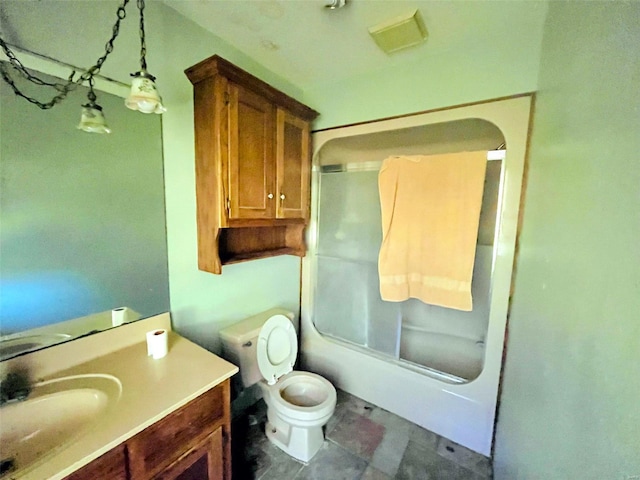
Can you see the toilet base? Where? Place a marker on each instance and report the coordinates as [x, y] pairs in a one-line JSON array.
[[302, 443]]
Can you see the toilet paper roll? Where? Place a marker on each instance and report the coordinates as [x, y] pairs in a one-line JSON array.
[[157, 343], [118, 316]]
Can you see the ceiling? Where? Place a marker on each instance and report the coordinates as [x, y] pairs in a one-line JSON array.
[[308, 44]]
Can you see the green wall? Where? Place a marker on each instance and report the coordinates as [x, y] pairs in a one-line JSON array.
[[499, 68], [570, 406], [202, 303]]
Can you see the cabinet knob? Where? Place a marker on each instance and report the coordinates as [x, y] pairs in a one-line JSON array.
[[282, 196], [270, 195]]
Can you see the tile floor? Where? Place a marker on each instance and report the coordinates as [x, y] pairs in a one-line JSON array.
[[362, 442]]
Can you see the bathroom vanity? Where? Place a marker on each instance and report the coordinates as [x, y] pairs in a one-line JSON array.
[[186, 444], [157, 419]]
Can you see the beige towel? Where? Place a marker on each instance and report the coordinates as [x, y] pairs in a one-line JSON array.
[[430, 215]]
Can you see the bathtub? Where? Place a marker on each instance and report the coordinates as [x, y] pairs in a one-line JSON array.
[[459, 358]]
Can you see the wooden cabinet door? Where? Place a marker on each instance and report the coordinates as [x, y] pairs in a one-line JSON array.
[[110, 466], [293, 165], [161, 444], [203, 462], [251, 155]]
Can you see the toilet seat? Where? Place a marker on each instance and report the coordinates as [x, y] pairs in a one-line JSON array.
[[277, 348]]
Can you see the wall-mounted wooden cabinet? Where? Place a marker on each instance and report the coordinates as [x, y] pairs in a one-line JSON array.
[[252, 166]]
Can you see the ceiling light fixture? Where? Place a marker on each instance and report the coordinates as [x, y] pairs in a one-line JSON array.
[[144, 95]]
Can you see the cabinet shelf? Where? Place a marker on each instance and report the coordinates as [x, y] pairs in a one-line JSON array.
[[244, 257], [237, 245]]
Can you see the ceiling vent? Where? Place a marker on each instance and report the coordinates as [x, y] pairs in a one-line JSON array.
[[400, 32]]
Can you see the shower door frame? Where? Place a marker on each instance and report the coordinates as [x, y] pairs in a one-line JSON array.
[[461, 412]]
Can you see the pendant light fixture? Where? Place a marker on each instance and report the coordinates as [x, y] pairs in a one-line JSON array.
[[144, 96], [92, 119]]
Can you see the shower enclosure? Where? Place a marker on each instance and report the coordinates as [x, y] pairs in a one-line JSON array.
[[348, 305], [436, 366]]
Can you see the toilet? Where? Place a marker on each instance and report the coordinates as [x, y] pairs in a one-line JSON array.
[[299, 404]]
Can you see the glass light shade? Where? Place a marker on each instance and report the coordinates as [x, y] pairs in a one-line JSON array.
[[144, 95], [92, 120]]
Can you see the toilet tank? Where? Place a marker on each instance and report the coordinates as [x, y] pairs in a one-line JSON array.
[[239, 342]]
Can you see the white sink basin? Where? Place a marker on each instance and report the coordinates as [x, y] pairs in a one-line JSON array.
[[57, 413], [13, 345]]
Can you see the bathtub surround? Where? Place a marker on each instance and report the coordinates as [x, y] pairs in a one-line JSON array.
[[459, 410]]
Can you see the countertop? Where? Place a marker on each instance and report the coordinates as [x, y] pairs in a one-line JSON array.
[[151, 389]]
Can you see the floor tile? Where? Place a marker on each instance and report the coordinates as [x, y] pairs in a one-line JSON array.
[[359, 406], [348, 403], [390, 421], [251, 464], [422, 463], [423, 437], [364, 442], [389, 453], [372, 473], [335, 419], [464, 457], [333, 462], [358, 434], [282, 467]]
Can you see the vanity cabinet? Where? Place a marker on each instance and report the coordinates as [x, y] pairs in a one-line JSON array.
[[191, 443], [252, 166], [112, 465]]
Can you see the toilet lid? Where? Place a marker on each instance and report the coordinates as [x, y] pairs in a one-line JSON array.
[[277, 348]]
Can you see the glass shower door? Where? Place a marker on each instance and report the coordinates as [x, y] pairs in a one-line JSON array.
[[348, 304]]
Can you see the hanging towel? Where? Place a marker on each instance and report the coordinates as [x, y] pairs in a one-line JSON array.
[[430, 214]]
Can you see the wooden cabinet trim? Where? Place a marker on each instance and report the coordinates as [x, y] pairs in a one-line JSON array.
[[216, 65]]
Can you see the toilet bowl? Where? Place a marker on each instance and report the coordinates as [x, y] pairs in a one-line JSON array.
[[298, 406], [299, 403]]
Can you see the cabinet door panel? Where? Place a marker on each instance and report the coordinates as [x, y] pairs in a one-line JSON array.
[[292, 166], [202, 462], [251, 179]]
